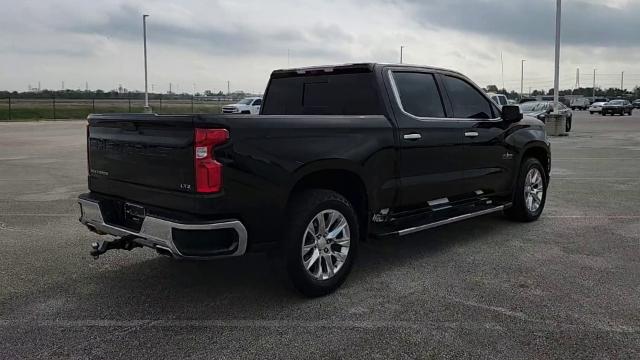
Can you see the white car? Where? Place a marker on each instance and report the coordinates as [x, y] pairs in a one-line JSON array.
[[596, 107], [580, 104], [499, 99], [250, 105]]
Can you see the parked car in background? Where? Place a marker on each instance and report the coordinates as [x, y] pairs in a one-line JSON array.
[[636, 104], [527, 99], [499, 99], [620, 107], [250, 105], [540, 109], [512, 102], [604, 100], [596, 107], [580, 104]]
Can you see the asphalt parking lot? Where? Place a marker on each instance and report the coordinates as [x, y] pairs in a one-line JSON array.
[[566, 286]]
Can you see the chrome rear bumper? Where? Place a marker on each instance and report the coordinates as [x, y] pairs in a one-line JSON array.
[[157, 233]]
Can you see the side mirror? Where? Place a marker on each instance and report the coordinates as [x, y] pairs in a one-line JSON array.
[[511, 113]]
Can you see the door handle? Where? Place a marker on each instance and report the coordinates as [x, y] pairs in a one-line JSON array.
[[413, 136], [471, 134]]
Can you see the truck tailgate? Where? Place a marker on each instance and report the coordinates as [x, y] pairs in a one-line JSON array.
[[143, 149]]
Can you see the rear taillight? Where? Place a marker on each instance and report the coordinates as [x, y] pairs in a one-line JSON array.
[[208, 170]]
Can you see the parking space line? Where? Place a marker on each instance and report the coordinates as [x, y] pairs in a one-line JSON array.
[[594, 178], [594, 158], [314, 324], [593, 216], [36, 214]]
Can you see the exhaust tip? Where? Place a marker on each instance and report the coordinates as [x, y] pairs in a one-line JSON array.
[[161, 250], [93, 229]]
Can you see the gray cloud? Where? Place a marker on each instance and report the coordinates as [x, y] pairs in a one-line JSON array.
[[531, 22], [124, 23]]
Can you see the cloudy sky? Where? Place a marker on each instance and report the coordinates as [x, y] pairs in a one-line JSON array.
[[203, 43]]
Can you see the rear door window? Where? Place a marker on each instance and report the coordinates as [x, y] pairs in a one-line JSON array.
[[419, 94], [467, 101]]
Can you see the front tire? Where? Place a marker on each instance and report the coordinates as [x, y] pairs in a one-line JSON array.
[[568, 124], [321, 242], [530, 193]]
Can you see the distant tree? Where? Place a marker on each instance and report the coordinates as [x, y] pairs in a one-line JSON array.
[[492, 88]]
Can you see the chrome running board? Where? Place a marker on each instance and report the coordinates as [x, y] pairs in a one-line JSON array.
[[432, 225]]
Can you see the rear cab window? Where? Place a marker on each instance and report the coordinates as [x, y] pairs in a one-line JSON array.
[[323, 94]]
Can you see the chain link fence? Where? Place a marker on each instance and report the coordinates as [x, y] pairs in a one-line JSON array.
[[64, 108]]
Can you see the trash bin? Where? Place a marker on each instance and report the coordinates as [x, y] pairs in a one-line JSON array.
[[556, 125]]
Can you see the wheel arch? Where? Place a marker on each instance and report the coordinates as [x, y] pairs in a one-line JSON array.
[[540, 151], [342, 177]]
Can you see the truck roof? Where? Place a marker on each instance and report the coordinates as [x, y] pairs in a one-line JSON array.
[[345, 68]]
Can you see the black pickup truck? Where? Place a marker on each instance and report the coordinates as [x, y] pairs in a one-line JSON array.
[[337, 155]]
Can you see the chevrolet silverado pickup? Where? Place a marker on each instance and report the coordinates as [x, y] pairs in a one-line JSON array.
[[337, 155]]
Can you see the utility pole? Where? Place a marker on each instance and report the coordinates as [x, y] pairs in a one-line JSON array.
[[622, 82], [594, 85], [169, 88], [86, 86], [522, 77], [62, 86], [401, 48], [147, 108], [556, 79], [577, 78], [502, 69], [228, 87]]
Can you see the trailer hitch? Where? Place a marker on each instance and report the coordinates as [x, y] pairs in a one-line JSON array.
[[125, 243]]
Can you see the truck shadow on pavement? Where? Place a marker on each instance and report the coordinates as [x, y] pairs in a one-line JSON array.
[[235, 288]]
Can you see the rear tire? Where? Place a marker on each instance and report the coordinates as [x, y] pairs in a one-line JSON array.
[[329, 253], [530, 193]]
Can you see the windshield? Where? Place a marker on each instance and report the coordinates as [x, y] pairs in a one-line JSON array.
[[245, 101], [533, 106], [616, 102]]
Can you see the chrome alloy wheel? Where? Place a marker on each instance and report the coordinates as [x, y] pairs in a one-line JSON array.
[[325, 244], [533, 190]]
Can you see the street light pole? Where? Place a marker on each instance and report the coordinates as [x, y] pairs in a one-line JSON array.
[[147, 108], [401, 48], [556, 79], [594, 85], [502, 69], [522, 78]]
